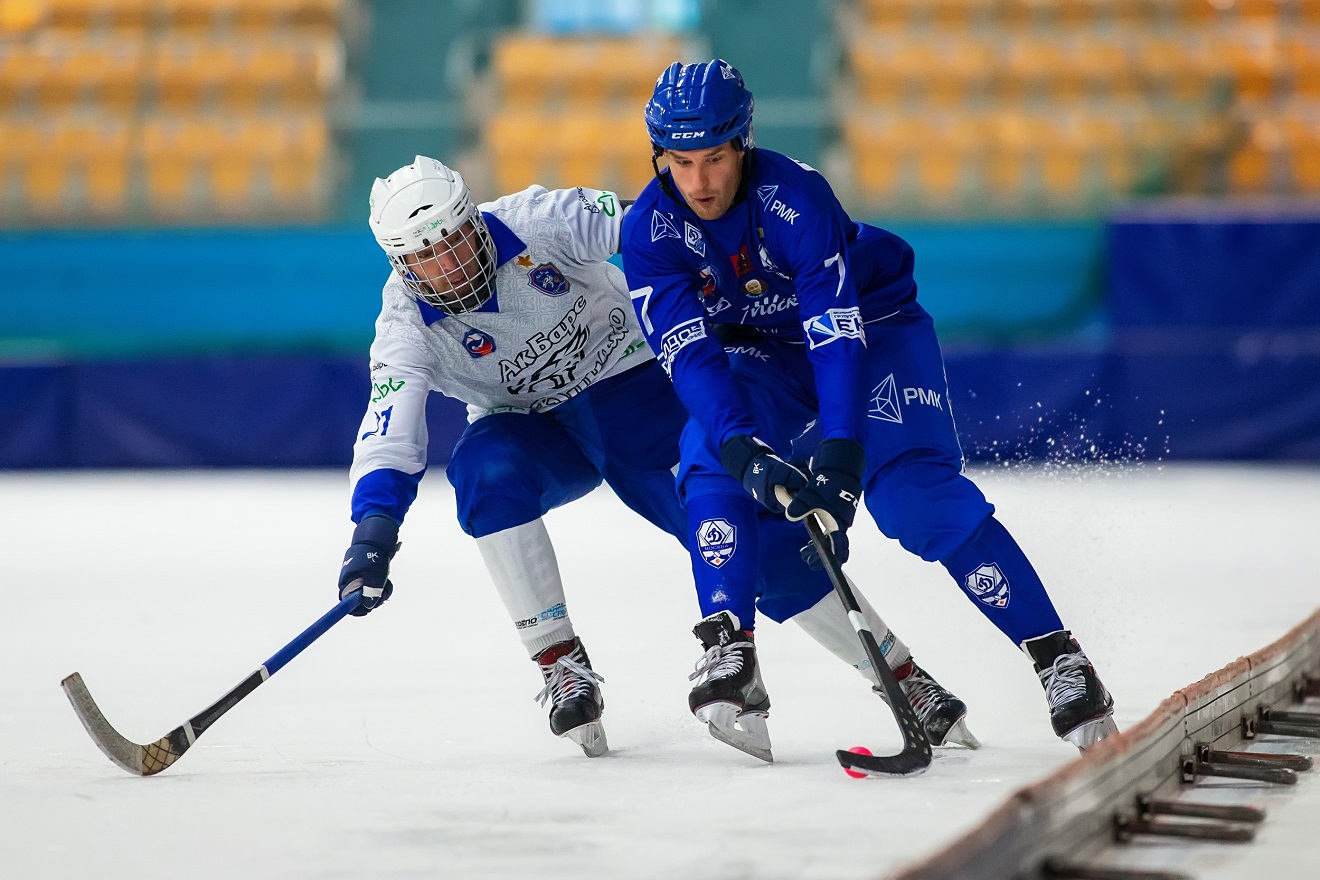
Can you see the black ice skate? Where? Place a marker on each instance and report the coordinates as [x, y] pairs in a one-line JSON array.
[[943, 716], [576, 703], [1081, 710], [730, 697]]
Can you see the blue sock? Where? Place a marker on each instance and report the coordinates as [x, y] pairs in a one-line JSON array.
[[722, 529], [992, 569]]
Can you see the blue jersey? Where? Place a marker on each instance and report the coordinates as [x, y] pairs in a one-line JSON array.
[[786, 262]]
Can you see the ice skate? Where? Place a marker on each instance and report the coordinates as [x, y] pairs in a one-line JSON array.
[[943, 716], [1081, 710], [576, 703], [730, 697]]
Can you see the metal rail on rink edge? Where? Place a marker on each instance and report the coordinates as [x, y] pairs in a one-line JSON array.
[[1122, 788]]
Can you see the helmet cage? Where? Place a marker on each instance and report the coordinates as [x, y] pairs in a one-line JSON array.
[[455, 272]]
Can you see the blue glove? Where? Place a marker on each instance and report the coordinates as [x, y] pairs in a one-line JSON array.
[[835, 487], [770, 479], [367, 563]]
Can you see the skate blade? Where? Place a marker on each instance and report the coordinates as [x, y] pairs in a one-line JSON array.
[[1091, 732], [746, 732], [591, 737], [959, 735]]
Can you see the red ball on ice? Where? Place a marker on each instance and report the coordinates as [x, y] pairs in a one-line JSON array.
[[859, 750]]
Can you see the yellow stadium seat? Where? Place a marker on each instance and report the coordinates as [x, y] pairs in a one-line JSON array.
[[1251, 167], [1032, 67], [101, 72], [168, 153], [263, 75], [188, 75], [97, 149], [59, 83], [524, 68], [194, 18], [22, 17], [1254, 61], [892, 15], [1301, 61], [1266, 12], [873, 146], [519, 143], [958, 15], [1080, 15], [1198, 13], [297, 168], [21, 68], [19, 140], [315, 15], [1302, 137]]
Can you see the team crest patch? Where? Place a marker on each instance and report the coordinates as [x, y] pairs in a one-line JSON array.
[[478, 344], [716, 539], [548, 279], [988, 584]]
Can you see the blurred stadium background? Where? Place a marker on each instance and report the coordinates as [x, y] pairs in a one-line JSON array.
[[1115, 203]]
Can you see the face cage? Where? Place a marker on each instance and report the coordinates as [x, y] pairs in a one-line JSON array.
[[457, 275]]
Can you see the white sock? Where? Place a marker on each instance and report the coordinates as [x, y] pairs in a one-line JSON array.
[[827, 622], [522, 564]]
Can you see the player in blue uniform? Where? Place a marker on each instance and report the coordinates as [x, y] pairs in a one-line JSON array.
[[512, 307], [792, 332]]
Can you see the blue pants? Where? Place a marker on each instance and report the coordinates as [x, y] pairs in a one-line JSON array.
[[508, 469], [913, 484]]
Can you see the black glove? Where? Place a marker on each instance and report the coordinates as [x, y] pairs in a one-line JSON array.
[[832, 494], [367, 563], [761, 471]]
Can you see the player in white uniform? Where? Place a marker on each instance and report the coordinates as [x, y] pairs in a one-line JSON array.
[[514, 310]]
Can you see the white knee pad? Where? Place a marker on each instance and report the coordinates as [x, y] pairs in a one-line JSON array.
[[827, 622], [522, 564]]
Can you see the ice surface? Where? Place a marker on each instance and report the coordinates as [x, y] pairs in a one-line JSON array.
[[407, 744]]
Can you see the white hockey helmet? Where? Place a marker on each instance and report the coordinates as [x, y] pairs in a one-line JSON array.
[[424, 219]]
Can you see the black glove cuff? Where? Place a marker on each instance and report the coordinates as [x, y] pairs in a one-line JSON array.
[[379, 530], [738, 451], [838, 454]]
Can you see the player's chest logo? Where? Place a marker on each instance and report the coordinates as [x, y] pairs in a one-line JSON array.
[[548, 279], [478, 344]]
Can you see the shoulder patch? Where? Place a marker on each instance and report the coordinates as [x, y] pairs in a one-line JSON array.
[[693, 238], [662, 226]]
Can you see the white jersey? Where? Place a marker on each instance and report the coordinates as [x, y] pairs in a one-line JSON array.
[[560, 320]]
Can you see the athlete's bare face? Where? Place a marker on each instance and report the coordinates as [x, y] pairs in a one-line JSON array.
[[708, 179]]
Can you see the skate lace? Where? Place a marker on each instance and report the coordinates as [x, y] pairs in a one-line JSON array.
[[720, 661], [1065, 679], [923, 693], [568, 679]]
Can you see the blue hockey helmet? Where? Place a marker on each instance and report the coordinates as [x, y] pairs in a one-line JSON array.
[[701, 105]]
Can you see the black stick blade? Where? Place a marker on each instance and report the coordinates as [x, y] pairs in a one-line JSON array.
[[909, 762], [139, 760]]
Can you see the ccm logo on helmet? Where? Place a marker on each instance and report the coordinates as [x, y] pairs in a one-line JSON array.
[[680, 135]]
